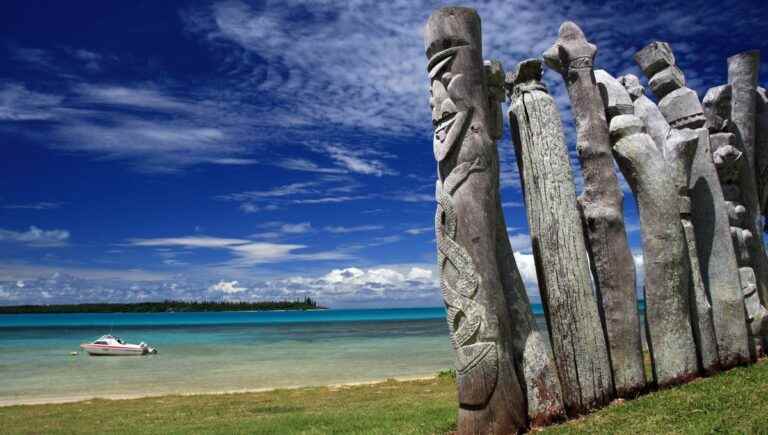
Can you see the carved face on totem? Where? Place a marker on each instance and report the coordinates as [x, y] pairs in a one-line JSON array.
[[450, 112]]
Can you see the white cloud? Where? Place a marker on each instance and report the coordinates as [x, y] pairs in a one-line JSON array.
[[299, 228], [278, 229], [275, 192], [527, 267], [353, 229], [417, 231], [226, 287], [35, 206], [17, 103], [246, 252], [385, 285], [324, 189], [189, 242], [417, 273], [36, 237], [140, 97], [520, 242], [330, 199], [249, 207], [513, 204], [299, 164], [359, 161], [21, 271], [413, 197]]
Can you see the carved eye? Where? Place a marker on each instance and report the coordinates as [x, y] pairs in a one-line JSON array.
[[446, 79], [447, 107]]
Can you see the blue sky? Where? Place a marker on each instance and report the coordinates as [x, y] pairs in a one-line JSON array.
[[268, 150]]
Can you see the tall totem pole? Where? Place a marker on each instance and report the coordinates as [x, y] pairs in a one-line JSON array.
[[558, 242], [709, 215], [491, 399], [665, 252], [601, 205]]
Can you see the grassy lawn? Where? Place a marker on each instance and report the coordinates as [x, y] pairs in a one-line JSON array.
[[732, 402]]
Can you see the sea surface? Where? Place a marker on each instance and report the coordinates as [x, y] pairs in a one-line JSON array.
[[216, 352]]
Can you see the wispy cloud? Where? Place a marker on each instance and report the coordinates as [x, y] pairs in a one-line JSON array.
[[18, 103], [299, 164], [359, 161], [417, 231], [513, 204], [413, 197], [189, 242], [43, 205], [135, 97], [275, 192], [246, 252], [352, 229], [328, 189], [36, 237]]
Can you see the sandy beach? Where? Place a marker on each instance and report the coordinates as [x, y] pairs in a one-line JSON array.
[[111, 396]]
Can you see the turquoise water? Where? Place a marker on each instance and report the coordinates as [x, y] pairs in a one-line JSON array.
[[207, 352], [214, 352]]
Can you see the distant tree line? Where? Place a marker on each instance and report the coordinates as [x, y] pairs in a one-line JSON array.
[[164, 307]]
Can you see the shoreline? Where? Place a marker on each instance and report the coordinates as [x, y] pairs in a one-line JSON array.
[[57, 400]]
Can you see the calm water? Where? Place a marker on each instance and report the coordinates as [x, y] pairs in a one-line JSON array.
[[205, 352]]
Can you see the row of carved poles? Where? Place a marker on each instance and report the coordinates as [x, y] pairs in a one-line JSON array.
[[699, 176]]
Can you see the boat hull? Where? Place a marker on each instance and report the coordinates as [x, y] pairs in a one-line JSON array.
[[107, 350]]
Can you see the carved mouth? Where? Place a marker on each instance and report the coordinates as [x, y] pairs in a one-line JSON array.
[[449, 129], [443, 125]]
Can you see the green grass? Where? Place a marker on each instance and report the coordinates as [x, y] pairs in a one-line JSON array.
[[732, 402]]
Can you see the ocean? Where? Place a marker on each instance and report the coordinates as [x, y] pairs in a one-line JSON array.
[[215, 352]]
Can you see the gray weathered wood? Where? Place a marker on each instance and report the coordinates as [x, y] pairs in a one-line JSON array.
[[679, 150], [717, 257], [602, 201], [645, 109], [667, 308], [561, 260], [729, 163], [761, 149], [709, 216], [533, 358], [491, 399], [653, 181], [742, 77]]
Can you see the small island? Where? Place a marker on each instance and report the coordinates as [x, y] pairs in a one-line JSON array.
[[164, 307]]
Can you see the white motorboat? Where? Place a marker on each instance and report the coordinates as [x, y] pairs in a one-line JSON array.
[[111, 345]]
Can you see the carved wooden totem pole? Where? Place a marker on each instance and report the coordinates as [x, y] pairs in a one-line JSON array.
[[533, 358], [558, 241], [680, 106], [678, 148], [491, 399], [665, 252], [761, 151], [602, 212], [732, 168], [742, 77]]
